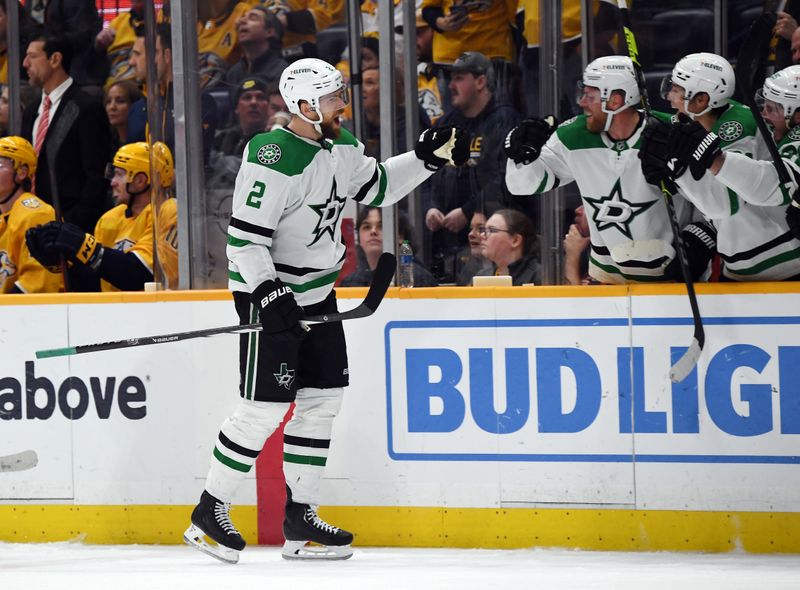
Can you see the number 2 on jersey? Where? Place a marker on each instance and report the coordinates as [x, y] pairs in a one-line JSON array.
[[255, 196]]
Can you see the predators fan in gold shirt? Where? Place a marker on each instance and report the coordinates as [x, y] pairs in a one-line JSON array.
[[120, 252], [20, 210]]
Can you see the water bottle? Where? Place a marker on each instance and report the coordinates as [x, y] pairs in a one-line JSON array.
[[406, 265]]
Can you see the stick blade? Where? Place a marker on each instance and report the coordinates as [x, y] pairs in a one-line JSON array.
[[43, 354], [686, 364]]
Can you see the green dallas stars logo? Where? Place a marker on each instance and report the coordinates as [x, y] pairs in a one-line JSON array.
[[615, 211], [329, 213]]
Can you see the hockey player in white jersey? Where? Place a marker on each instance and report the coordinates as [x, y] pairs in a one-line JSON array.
[[285, 251], [719, 135], [631, 236]]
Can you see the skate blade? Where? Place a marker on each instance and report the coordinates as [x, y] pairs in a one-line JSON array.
[[195, 537], [300, 550]]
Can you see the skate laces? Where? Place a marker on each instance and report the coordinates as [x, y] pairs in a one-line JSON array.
[[316, 521], [223, 518]]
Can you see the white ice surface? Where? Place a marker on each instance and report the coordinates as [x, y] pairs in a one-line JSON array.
[[73, 566]]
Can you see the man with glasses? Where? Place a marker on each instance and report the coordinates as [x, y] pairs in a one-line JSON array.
[[119, 254], [723, 169], [285, 250], [20, 210], [631, 236]]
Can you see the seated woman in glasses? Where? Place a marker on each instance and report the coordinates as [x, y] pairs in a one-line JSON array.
[[510, 242]]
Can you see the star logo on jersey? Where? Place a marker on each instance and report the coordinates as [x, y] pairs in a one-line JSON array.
[[329, 213], [284, 376], [615, 211]]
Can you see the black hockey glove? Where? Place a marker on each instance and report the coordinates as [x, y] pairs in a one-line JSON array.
[[654, 153], [71, 241], [524, 142], [438, 146], [48, 257], [700, 239], [793, 219], [280, 313], [693, 146]]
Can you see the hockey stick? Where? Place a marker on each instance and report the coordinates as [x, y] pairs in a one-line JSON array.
[[749, 57], [18, 461], [381, 279], [684, 365]]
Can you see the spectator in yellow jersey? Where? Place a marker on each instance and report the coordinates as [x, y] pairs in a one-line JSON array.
[[604, 13], [117, 41], [303, 19], [120, 252], [474, 25], [20, 210], [217, 42]]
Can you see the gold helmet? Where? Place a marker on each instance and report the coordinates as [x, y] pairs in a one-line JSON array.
[[164, 163], [20, 151], [133, 158]]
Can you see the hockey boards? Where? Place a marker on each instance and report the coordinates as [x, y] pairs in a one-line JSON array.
[[381, 279], [681, 369], [19, 461]]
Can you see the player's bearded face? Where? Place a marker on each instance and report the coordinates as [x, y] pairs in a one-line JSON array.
[[331, 124], [589, 101]]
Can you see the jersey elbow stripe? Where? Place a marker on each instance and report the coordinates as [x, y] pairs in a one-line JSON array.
[[251, 228], [367, 187], [238, 242], [376, 202]]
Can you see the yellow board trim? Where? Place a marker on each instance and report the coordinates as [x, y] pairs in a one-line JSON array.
[[513, 528], [421, 293]]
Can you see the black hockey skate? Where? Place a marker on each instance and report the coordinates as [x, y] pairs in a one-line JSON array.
[[302, 525], [211, 521]]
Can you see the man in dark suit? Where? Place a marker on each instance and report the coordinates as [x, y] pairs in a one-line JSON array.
[[78, 22], [70, 132]]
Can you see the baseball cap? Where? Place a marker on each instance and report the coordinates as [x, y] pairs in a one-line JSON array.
[[474, 62], [249, 84]]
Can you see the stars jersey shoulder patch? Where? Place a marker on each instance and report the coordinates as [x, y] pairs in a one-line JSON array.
[[614, 211], [730, 131], [269, 154]]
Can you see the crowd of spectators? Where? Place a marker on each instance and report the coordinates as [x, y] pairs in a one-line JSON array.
[[84, 96]]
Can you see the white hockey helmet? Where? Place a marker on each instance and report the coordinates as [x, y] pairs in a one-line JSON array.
[[311, 80], [610, 73], [704, 72], [783, 88]]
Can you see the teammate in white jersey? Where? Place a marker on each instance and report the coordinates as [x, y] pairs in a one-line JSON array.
[[753, 239], [631, 236], [285, 250]]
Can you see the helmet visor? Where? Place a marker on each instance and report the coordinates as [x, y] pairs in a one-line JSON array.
[[114, 171], [588, 94], [334, 101]]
